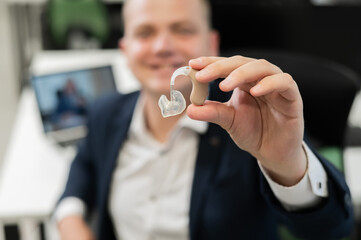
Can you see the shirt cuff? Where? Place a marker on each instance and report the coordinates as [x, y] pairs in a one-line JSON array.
[[69, 206], [308, 192]]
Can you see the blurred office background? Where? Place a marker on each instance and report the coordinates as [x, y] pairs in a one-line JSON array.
[[327, 29], [9, 91]]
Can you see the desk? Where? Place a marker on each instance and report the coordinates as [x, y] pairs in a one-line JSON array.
[[33, 172], [35, 169]]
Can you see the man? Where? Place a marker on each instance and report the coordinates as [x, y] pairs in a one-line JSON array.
[[237, 177]]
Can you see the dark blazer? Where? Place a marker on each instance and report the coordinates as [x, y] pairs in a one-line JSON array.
[[230, 198]]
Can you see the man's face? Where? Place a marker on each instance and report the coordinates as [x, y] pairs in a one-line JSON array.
[[163, 35]]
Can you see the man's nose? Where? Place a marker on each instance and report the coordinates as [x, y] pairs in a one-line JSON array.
[[163, 44]]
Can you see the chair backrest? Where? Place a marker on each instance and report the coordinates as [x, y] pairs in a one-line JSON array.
[[327, 88], [88, 15]]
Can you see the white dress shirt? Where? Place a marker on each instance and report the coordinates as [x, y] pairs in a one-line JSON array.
[[151, 184]]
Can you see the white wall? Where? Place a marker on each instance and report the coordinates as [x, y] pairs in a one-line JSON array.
[[9, 82]]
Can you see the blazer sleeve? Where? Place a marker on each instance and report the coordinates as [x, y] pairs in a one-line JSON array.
[[81, 179], [84, 179], [332, 219]]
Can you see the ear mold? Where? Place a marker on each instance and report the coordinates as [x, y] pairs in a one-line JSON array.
[[177, 103]]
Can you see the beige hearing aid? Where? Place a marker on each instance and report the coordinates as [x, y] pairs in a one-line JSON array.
[[199, 91], [177, 103]]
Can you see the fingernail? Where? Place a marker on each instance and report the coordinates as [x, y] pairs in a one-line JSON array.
[[202, 73], [195, 61], [226, 82], [256, 89]]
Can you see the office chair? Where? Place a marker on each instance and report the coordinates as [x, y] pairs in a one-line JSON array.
[[86, 17], [328, 90]]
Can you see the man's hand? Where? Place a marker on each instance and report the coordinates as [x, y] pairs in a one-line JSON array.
[[264, 115], [74, 228]]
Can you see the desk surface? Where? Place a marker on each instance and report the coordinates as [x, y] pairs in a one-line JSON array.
[[34, 169]]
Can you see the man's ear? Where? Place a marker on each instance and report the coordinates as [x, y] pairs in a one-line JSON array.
[[214, 42], [121, 44]]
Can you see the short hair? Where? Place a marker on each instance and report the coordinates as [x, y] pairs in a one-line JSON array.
[[206, 4]]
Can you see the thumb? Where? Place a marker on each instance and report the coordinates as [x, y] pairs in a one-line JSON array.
[[214, 112]]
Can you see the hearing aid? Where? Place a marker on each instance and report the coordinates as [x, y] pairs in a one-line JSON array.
[[199, 90], [177, 103]]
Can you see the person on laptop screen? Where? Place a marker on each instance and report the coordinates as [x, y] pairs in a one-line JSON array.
[[71, 107], [64, 96], [233, 170]]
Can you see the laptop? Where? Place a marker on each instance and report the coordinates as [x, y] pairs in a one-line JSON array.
[[63, 100]]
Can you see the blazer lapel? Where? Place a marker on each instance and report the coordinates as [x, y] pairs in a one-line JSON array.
[[119, 130], [206, 165]]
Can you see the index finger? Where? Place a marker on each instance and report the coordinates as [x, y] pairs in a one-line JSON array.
[[202, 62], [211, 68]]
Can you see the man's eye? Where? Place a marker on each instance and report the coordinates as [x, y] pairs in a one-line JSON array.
[[186, 31], [143, 34]]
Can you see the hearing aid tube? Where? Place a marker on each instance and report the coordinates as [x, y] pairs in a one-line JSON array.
[[199, 90]]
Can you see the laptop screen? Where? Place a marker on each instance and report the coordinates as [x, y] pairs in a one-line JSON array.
[[63, 98]]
